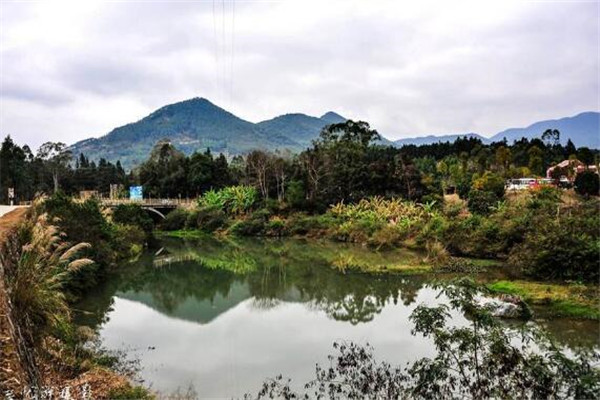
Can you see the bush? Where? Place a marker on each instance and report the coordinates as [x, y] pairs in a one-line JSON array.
[[133, 214], [275, 227], [437, 254], [561, 246], [84, 222], [389, 236], [209, 219], [481, 202], [129, 239], [490, 182], [234, 199], [587, 183], [301, 224], [253, 226], [175, 220]]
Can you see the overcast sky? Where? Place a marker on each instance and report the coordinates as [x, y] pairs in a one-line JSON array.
[[72, 70]]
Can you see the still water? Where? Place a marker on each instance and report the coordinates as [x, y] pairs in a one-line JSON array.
[[221, 316]]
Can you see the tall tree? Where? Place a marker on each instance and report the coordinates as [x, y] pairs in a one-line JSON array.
[[56, 158]]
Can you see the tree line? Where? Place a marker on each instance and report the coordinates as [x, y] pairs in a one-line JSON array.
[[346, 163]]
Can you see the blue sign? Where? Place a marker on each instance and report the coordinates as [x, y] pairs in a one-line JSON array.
[[135, 193]]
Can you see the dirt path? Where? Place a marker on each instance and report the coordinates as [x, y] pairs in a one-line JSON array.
[[9, 219], [13, 376]]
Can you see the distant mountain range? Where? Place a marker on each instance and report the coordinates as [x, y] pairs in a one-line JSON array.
[[197, 124], [430, 139], [583, 130]]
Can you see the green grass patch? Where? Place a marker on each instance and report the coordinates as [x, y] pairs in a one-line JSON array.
[[564, 300], [183, 234]]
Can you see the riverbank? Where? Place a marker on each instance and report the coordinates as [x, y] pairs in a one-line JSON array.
[[573, 300], [552, 299], [40, 350]]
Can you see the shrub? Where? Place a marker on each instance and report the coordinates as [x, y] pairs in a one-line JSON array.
[[437, 254], [129, 239], [253, 226], [563, 245], [234, 199], [275, 227], [388, 236], [83, 222], [301, 224], [490, 182], [133, 214], [481, 202], [209, 219], [587, 183], [175, 220]]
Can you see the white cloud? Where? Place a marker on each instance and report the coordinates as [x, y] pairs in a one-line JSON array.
[[76, 69]]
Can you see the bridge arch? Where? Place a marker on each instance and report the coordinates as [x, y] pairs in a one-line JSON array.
[[154, 210]]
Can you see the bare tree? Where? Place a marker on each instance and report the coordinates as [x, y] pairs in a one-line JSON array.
[[257, 166], [56, 156], [312, 163]]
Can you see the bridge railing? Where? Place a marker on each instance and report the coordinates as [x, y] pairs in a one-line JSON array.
[[153, 202]]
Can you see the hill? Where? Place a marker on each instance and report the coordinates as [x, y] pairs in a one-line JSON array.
[[300, 128], [583, 129]]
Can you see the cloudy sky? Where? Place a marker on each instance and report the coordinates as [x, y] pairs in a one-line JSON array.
[[72, 70]]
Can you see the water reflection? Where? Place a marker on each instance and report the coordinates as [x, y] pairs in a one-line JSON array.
[[225, 315], [199, 280]]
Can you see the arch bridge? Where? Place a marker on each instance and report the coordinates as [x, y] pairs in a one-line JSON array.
[[160, 207]]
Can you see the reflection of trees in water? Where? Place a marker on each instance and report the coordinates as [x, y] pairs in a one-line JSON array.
[[288, 271]]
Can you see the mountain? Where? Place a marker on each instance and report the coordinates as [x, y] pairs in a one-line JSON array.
[[300, 128], [583, 129], [333, 118], [197, 124], [194, 124], [430, 139]]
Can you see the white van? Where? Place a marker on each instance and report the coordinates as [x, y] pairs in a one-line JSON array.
[[521, 183]]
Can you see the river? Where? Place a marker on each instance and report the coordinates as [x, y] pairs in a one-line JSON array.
[[221, 316]]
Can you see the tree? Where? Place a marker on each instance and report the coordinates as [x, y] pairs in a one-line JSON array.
[[587, 183], [570, 149], [56, 158], [551, 137], [311, 163], [164, 173], [503, 158], [536, 161], [258, 166], [12, 168]]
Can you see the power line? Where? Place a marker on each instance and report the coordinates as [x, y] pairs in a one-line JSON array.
[[232, 52]]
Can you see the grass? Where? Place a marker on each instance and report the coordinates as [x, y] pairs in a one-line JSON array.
[[564, 300], [183, 233]]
